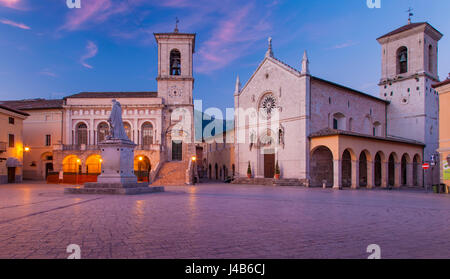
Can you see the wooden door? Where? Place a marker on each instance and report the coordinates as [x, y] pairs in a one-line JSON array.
[[177, 151], [269, 165], [11, 175]]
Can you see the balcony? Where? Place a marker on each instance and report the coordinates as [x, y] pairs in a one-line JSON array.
[[83, 147], [149, 147], [80, 147]]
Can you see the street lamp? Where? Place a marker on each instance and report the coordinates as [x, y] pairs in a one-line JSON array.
[[78, 168], [27, 149], [140, 167], [193, 158]]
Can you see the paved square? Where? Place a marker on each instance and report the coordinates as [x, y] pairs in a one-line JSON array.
[[223, 221]]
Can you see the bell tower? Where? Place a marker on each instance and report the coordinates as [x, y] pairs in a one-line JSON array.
[[175, 86], [409, 58], [175, 67]]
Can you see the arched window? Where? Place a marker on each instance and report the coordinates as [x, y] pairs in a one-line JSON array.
[[339, 121], [127, 128], [102, 131], [147, 133], [376, 129], [402, 60], [175, 62], [82, 134], [430, 58]]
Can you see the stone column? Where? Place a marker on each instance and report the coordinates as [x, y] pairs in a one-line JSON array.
[[91, 131], [409, 175], [337, 172], [355, 174], [370, 175], [398, 173], [384, 174]]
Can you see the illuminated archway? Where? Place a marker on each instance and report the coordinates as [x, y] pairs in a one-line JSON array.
[[72, 164], [94, 164]]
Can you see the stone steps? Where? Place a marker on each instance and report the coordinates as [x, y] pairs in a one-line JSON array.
[[171, 174], [114, 189], [269, 181]]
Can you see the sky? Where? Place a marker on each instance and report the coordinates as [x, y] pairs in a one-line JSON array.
[[48, 50]]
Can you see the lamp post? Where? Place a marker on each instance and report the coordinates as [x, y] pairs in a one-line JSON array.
[[193, 169], [140, 167], [78, 169]]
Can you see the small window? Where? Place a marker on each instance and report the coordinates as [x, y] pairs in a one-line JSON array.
[[335, 124], [11, 141], [409, 89], [48, 140], [392, 93], [11, 120], [329, 100]]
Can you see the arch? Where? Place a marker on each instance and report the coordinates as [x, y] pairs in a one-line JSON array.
[[406, 160], [402, 60], [142, 167], [216, 168], [391, 168], [378, 168], [147, 133], [102, 131], [366, 124], [209, 172], [322, 167], [175, 62], [81, 131], [128, 129], [346, 169], [416, 165], [364, 158], [71, 164], [339, 122], [377, 129], [94, 164]]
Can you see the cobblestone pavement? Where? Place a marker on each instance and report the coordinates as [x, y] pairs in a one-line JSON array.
[[223, 221]]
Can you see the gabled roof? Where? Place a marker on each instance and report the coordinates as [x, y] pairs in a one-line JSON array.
[[13, 110], [442, 83], [333, 132], [34, 104], [112, 95], [350, 89], [408, 27]]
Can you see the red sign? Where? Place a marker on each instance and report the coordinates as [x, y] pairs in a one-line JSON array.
[[426, 166]]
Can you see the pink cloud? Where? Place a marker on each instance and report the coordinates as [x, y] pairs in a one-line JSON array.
[[233, 38], [13, 4], [91, 51], [15, 24], [95, 11]]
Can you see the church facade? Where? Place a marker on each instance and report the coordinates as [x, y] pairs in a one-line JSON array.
[[63, 135], [325, 134]]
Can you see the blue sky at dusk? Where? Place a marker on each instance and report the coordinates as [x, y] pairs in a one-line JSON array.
[[50, 51]]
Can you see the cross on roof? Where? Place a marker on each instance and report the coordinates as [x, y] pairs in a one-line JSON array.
[[410, 14]]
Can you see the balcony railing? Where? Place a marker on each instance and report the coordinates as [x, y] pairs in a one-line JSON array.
[[149, 147], [80, 147], [2, 147]]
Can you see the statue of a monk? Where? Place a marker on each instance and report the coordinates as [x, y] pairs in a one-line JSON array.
[[117, 131]]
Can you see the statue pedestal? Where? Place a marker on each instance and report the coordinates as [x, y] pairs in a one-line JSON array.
[[117, 175]]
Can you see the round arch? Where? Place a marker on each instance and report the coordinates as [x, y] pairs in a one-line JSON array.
[[364, 159], [321, 165], [142, 167], [71, 164], [392, 161], [378, 162], [94, 164]]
